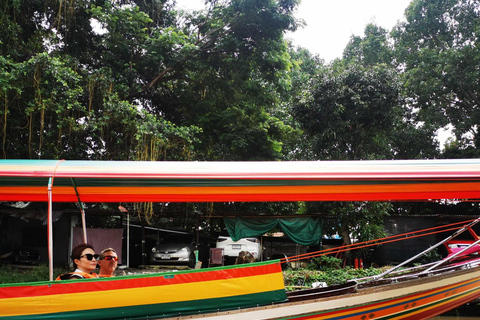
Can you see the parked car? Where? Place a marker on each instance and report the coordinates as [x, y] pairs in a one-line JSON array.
[[231, 248], [18, 254], [26, 256], [178, 248]]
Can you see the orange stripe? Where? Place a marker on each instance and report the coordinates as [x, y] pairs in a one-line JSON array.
[[327, 189], [256, 193]]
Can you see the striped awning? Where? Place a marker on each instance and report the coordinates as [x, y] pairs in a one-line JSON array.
[[164, 181]]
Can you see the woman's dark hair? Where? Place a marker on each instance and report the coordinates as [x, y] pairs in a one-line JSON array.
[[77, 252]]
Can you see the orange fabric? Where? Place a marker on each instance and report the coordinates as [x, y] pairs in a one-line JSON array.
[[84, 275]]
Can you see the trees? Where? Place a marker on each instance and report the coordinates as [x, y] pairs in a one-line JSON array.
[[355, 109], [145, 78], [437, 47], [370, 50], [352, 112], [136, 80]]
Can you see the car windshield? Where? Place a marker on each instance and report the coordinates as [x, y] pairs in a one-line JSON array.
[[178, 238]]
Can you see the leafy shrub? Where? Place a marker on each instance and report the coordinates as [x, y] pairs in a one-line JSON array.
[[324, 263], [303, 278], [432, 256]]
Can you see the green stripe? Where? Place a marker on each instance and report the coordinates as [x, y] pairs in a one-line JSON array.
[[23, 181], [167, 309], [140, 276], [136, 182]]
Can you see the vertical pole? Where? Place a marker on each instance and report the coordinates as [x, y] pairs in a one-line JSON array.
[[84, 226], [124, 210], [70, 245], [261, 253], [50, 230], [50, 221], [128, 239]]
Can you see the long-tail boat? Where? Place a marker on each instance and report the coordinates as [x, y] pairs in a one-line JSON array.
[[257, 290]]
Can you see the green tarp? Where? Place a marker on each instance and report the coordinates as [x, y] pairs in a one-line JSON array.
[[305, 231]]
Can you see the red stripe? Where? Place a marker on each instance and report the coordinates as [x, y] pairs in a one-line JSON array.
[[91, 285], [392, 196]]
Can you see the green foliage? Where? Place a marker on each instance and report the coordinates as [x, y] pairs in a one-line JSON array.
[[144, 81], [432, 256], [134, 80], [437, 47], [325, 263], [362, 221], [351, 112], [304, 278], [370, 50], [40, 99], [15, 274]]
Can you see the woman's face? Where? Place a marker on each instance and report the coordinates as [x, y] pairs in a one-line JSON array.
[[84, 264]]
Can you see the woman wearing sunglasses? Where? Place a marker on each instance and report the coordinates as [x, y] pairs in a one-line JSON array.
[[84, 260], [107, 262]]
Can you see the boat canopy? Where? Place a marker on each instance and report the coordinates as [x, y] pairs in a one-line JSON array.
[[252, 181]]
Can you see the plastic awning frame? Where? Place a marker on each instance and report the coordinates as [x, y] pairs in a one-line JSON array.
[[137, 181]]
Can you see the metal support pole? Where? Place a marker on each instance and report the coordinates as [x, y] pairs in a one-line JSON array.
[[82, 211], [451, 257], [84, 226], [50, 221], [459, 231]]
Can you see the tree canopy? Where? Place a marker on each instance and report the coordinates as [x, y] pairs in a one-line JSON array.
[[142, 80], [437, 47], [124, 79]]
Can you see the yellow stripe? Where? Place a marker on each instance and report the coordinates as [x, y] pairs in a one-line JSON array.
[[141, 296]]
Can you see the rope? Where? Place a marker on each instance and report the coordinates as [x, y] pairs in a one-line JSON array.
[[375, 242]]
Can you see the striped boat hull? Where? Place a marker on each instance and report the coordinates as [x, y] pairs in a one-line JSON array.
[[414, 300], [161, 295]]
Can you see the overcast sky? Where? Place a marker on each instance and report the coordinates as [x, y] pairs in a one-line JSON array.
[[331, 23]]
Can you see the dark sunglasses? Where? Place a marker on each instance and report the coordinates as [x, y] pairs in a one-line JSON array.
[[90, 256], [110, 258]]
